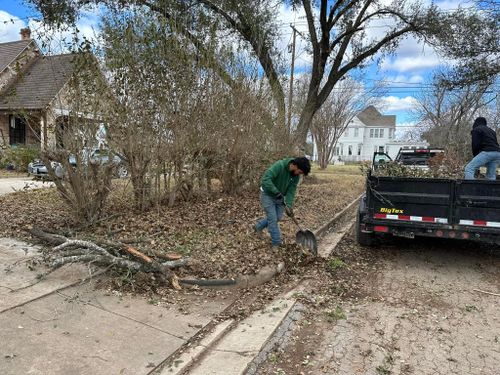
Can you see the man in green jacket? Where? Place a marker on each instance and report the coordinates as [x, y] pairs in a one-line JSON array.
[[278, 187]]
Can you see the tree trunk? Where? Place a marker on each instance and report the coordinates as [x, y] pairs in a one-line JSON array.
[[304, 125]]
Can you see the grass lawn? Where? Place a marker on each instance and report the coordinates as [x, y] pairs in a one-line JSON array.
[[354, 169], [9, 174]]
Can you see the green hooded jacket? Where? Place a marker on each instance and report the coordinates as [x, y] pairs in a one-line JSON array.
[[279, 179]]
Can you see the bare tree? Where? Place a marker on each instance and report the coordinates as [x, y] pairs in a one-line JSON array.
[[447, 115], [347, 99]]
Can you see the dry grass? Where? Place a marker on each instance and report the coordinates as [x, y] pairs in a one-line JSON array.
[[10, 174]]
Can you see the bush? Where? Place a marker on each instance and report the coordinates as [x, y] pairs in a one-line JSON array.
[[19, 157]]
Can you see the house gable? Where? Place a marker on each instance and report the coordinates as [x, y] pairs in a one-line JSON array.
[[37, 87], [15, 58], [370, 116]]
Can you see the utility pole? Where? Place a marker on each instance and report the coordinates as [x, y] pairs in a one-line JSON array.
[[290, 95]]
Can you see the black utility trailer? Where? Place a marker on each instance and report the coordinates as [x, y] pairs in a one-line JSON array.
[[410, 207]]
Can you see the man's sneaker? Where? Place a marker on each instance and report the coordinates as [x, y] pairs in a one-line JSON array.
[[276, 248], [258, 233]]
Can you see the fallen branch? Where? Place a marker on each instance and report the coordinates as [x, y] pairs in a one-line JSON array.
[[68, 251], [138, 254], [82, 244], [485, 292], [176, 263]]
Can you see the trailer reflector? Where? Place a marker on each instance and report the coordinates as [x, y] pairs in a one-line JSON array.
[[427, 219], [480, 223], [381, 228]]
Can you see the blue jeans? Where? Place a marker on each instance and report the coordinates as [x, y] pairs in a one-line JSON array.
[[274, 212], [490, 159]]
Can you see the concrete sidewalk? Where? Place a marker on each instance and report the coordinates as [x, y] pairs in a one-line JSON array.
[[12, 184], [63, 326]]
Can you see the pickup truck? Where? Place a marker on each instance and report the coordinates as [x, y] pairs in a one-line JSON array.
[[428, 207], [411, 157]]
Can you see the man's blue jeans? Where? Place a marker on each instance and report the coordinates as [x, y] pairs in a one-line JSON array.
[[490, 159], [274, 212]]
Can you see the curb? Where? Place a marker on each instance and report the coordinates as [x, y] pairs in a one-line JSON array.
[[192, 354], [323, 229]]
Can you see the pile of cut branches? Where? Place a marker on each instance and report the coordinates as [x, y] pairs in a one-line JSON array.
[[444, 165], [107, 253]]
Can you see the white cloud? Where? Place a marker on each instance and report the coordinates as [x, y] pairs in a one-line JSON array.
[[401, 80], [53, 41], [393, 103], [411, 63], [287, 16], [9, 27], [59, 40]]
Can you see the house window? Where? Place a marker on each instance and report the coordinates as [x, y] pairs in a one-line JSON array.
[[372, 133], [346, 132], [17, 131], [376, 133], [359, 149], [356, 132], [350, 150], [381, 133], [380, 148]]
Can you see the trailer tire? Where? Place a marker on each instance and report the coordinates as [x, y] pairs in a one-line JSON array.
[[364, 239]]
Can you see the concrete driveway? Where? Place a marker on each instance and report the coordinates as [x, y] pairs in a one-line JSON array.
[[10, 185]]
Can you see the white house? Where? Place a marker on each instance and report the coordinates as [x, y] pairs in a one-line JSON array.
[[369, 132]]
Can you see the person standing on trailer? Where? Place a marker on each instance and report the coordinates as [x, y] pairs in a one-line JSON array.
[[485, 149]]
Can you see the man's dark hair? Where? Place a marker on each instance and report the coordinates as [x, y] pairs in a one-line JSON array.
[[480, 121], [303, 164]]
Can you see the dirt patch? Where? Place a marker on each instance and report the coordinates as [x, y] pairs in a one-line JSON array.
[[412, 308]]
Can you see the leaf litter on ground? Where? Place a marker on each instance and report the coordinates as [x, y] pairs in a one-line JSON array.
[[215, 232]]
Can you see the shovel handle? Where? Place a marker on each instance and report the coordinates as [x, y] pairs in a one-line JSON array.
[[296, 222], [292, 216]]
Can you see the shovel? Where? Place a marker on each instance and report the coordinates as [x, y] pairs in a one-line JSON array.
[[304, 238]]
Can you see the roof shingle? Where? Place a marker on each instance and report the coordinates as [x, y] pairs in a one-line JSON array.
[[9, 51], [39, 85], [372, 117]]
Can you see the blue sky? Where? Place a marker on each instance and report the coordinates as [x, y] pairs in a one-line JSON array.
[[407, 73]]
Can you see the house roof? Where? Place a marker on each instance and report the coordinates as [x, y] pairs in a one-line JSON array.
[[370, 116], [39, 85], [9, 51]]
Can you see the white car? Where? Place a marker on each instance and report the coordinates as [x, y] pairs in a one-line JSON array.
[[38, 169]]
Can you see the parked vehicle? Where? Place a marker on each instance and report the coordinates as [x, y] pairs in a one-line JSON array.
[[412, 157], [429, 207], [38, 169]]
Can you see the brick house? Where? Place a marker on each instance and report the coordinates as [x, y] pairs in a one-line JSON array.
[[32, 87]]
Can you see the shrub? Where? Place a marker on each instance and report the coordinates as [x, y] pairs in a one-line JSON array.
[[19, 157]]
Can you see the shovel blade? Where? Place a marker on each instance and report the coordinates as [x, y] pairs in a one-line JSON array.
[[307, 239]]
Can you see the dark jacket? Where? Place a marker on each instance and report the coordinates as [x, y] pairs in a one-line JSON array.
[[279, 179], [483, 139]]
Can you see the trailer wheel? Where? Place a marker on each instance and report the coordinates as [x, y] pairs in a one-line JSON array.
[[364, 239]]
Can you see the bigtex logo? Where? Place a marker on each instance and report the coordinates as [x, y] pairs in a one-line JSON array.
[[391, 211]]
